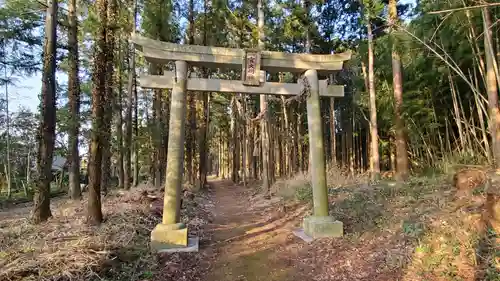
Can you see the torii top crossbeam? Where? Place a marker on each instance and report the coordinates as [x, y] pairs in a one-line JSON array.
[[207, 56]]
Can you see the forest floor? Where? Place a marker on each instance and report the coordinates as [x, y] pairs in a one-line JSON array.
[[412, 232]]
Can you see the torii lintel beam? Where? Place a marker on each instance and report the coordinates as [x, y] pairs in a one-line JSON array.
[[166, 81], [206, 56]]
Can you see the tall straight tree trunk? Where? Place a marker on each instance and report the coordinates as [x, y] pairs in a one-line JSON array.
[[205, 118], [131, 92], [191, 110], [119, 118], [166, 126], [98, 99], [235, 149], [492, 89], [375, 158], [266, 185], [333, 143], [74, 103], [296, 143], [300, 143], [47, 129], [109, 97], [135, 143], [402, 170], [244, 140], [157, 130], [253, 151], [350, 146], [286, 135]]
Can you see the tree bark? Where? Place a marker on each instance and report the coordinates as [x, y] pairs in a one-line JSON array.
[[492, 89], [158, 131], [109, 97], [74, 103], [263, 107], [98, 99], [375, 158], [191, 110], [333, 133], [235, 148], [119, 118], [402, 170], [131, 92], [47, 130], [205, 118]]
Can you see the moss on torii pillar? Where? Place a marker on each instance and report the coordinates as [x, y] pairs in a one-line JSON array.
[[171, 233], [320, 224]]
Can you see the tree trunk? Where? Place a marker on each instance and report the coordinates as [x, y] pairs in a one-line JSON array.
[[109, 97], [263, 107], [166, 126], [244, 140], [333, 143], [402, 170], [47, 130], [135, 142], [375, 159], [131, 92], [295, 142], [98, 100], [74, 103], [158, 133], [205, 118], [286, 135], [492, 89], [119, 118], [191, 110], [350, 146], [235, 141]]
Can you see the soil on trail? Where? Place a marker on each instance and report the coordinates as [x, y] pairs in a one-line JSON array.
[[253, 240], [252, 237]]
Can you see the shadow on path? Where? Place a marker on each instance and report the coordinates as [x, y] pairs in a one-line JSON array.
[[250, 236]]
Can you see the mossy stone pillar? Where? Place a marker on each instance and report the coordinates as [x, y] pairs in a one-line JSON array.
[[320, 224], [171, 233]]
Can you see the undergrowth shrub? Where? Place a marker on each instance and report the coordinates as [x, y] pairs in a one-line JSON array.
[[299, 185], [449, 163]]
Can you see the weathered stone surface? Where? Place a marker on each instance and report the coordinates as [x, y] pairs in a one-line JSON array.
[[316, 147], [175, 154], [207, 56], [167, 81], [192, 246], [169, 236], [318, 227]]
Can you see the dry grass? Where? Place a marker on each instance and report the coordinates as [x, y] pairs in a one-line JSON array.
[[299, 185], [415, 231], [66, 248]]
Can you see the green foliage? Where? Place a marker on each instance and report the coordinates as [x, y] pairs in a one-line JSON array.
[[304, 193], [20, 39]]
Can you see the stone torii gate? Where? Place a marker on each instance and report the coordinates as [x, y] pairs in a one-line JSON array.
[[171, 233]]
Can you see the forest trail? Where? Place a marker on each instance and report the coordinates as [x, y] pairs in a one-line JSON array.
[[252, 238]]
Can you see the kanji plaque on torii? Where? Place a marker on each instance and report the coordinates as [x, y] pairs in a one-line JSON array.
[[251, 68], [171, 233]]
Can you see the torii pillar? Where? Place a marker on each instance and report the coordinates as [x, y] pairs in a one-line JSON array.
[[320, 224], [171, 233]]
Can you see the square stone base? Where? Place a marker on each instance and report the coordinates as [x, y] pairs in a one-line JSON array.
[[166, 236], [193, 246], [318, 227]]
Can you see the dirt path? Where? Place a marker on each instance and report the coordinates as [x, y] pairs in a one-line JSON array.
[[252, 237]]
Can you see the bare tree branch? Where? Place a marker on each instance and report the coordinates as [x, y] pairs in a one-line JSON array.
[[464, 8]]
